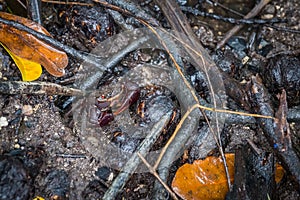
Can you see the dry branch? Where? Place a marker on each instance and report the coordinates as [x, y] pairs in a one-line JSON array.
[[37, 88], [259, 97]]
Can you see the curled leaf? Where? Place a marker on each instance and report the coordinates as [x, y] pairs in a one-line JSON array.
[[30, 70], [204, 179], [28, 47]]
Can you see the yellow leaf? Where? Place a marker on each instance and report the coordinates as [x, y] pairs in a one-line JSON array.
[[30, 70], [38, 198], [204, 179], [31, 48]]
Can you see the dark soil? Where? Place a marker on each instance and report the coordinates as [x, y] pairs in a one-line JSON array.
[[42, 150]]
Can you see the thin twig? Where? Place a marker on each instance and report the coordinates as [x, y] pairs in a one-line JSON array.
[[22, 4], [224, 7], [73, 156], [68, 3], [231, 20], [278, 28], [153, 171], [236, 28]]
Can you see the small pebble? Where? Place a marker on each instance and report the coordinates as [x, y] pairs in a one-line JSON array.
[[145, 57], [17, 106], [3, 122], [105, 173], [56, 136], [27, 110], [267, 16], [269, 12]]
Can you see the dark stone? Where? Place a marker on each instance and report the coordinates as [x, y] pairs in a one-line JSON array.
[[15, 182], [103, 173], [57, 185], [283, 72]]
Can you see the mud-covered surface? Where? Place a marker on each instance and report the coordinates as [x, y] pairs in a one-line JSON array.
[[46, 152]]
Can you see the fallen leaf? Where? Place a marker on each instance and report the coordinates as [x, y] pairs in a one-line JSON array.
[[30, 70], [279, 173], [29, 47], [38, 198], [204, 179]]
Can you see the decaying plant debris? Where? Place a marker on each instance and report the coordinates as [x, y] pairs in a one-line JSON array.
[[46, 132]]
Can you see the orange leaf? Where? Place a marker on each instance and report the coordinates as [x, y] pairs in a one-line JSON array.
[[29, 47], [279, 172], [204, 179], [30, 70]]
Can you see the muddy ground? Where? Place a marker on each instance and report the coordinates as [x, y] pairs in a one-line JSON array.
[[43, 148]]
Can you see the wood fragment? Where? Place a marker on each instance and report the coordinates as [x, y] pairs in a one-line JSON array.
[[68, 3], [260, 99], [254, 175], [282, 128], [37, 88]]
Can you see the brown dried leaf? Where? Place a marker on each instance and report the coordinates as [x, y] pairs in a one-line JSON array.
[[204, 179], [29, 47]]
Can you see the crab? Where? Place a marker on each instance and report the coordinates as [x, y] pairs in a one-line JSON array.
[[106, 108]]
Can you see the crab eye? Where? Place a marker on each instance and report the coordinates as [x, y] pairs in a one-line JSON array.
[[101, 98]]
